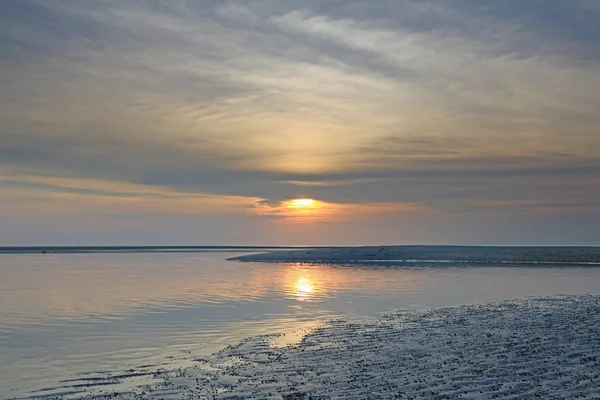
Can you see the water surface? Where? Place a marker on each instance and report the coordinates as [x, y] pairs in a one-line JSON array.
[[63, 315]]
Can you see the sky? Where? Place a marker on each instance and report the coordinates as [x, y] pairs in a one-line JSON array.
[[212, 121]]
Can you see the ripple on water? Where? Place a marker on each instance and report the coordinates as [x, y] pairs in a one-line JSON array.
[[116, 312]]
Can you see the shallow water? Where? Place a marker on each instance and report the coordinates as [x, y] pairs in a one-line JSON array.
[[63, 315]]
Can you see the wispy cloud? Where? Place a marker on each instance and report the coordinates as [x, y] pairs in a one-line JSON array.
[[436, 104]]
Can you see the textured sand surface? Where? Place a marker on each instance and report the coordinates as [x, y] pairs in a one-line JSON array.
[[466, 254], [546, 348]]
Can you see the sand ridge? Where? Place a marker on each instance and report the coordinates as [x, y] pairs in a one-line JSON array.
[[433, 254]]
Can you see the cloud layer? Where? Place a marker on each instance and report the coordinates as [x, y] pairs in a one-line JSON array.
[[447, 108]]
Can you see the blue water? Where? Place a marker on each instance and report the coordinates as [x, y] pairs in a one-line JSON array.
[[64, 314]]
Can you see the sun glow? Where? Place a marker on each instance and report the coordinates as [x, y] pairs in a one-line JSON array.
[[297, 210], [300, 203]]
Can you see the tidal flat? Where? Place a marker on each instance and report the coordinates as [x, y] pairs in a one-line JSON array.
[[546, 347]]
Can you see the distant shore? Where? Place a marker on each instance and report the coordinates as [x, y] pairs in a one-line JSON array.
[[455, 254], [137, 249], [545, 347]]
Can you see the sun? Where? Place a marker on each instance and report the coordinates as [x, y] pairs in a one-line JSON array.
[[301, 203], [302, 209]]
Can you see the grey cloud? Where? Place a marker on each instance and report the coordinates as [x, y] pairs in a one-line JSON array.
[[433, 182], [432, 102]]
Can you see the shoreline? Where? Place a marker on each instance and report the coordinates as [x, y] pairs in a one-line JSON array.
[[544, 347], [583, 255]]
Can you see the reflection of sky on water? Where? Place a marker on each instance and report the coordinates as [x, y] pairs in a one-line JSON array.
[[63, 314], [49, 289]]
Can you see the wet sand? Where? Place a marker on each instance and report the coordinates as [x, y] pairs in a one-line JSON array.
[[522, 349]]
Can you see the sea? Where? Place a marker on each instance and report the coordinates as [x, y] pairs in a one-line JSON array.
[[82, 320]]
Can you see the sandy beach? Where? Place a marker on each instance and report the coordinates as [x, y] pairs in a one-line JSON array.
[[545, 347], [457, 254]]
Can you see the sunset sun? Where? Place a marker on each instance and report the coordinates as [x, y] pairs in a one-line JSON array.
[[302, 203]]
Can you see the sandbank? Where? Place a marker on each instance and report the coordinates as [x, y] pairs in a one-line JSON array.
[[439, 254], [545, 347]]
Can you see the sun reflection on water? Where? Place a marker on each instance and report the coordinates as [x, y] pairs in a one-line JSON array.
[[303, 287], [302, 284]]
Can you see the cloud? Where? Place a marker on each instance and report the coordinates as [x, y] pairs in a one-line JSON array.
[[324, 212], [440, 105], [70, 196]]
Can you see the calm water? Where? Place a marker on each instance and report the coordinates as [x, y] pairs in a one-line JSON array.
[[62, 315]]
